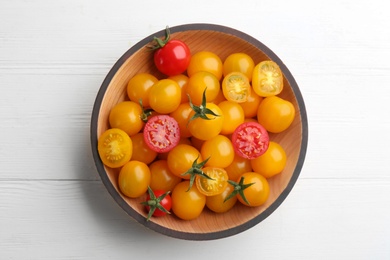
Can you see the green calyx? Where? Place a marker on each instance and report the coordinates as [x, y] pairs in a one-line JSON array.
[[201, 111], [195, 170], [159, 43], [146, 113], [155, 203], [239, 189]]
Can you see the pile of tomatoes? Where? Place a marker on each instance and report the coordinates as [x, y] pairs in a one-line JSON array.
[[198, 138]]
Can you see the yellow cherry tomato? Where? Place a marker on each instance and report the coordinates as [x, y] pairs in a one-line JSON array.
[[126, 115], [187, 203], [275, 114], [161, 177], [165, 96], [139, 86], [203, 81], [217, 202], [204, 129], [181, 158], [272, 162], [182, 80], [134, 179], [182, 115], [239, 62], [219, 98], [219, 150], [267, 79], [205, 61], [142, 152], [251, 105], [115, 148], [233, 115], [238, 167], [164, 156], [256, 194]]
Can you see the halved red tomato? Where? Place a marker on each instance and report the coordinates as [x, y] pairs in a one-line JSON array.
[[250, 140], [161, 133]]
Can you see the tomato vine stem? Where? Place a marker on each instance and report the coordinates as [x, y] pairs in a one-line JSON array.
[[196, 169], [239, 189], [159, 43], [201, 111]]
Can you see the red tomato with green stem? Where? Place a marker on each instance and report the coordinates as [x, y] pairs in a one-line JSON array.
[[171, 57], [158, 203]]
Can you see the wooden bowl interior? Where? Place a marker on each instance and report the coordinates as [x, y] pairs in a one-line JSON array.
[[222, 44]]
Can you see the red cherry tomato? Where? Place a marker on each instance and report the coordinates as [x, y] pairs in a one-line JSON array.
[[156, 200], [250, 140], [161, 133], [172, 57]]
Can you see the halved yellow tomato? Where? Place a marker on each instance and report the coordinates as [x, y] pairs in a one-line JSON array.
[[115, 148], [267, 79], [236, 87], [216, 184]]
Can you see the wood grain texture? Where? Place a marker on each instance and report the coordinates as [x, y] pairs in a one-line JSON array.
[[54, 56]]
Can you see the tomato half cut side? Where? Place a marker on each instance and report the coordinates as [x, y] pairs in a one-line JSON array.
[[215, 185], [161, 133], [236, 87], [267, 79], [115, 148], [250, 140]]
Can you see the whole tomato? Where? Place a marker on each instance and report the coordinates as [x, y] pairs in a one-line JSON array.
[[158, 203], [219, 150], [201, 82], [134, 179], [272, 162], [275, 114], [239, 62], [181, 158], [141, 151], [205, 61], [187, 203], [165, 96], [127, 116], [171, 57], [257, 191], [139, 86], [161, 176], [251, 189], [233, 115], [217, 203]]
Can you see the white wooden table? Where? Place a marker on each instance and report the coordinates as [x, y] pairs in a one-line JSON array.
[[54, 56]]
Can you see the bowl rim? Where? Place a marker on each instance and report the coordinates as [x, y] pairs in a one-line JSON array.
[[180, 234]]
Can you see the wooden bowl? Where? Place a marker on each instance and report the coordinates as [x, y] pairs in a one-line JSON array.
[[222, 41]]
